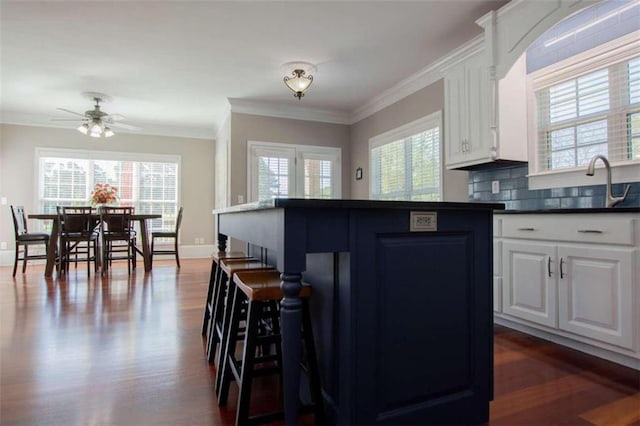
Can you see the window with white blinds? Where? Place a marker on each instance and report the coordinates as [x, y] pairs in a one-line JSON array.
[[148, 183], [298, 171], [406, 162], [590, 113]]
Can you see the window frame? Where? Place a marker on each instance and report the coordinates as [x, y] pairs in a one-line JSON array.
[[296, 154], [606, 55], [407, 130], [98, 155]]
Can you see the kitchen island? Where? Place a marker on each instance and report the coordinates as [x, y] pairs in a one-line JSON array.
[[401, 304]]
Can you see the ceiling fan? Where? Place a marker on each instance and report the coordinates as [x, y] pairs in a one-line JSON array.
[[95, 122]]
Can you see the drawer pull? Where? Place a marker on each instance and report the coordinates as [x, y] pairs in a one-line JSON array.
[[549, 265], [590, 231], [526, 229]]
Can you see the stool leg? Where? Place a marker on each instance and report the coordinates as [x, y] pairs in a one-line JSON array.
[[212, 279], [229, 338], [248, 357], [220, 312]]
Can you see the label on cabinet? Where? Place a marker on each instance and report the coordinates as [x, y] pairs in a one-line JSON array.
[[423, 222]]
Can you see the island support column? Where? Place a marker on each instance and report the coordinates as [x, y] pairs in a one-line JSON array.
[[291, 323]]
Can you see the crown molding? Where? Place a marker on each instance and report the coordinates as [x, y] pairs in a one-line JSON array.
[[419, 80], [281, 110], [148, 129]]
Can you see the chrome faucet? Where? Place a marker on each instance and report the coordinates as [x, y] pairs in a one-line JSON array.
[[611, 200]]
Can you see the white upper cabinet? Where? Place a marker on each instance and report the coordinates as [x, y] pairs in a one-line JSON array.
[[485, 119], [467, 105]]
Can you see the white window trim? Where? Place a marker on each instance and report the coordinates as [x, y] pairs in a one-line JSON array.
[[620, 49], [417, 126], [298, 153]]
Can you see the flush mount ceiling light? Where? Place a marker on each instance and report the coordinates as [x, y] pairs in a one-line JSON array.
[[299, 77]]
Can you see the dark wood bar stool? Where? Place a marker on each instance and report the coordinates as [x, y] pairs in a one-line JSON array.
[[221, 301], [212, 291], [261, 292]]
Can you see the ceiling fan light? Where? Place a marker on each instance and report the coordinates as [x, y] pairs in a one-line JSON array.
[[95, 134], [84, 129], [108, 132], [96, 127]]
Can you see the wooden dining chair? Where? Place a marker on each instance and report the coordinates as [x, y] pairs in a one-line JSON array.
[[24, 239], [118, 236], [170, 235], [78, 237]]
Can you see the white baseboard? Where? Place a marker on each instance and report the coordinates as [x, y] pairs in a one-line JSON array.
[[627, 361], [186, 251], [196, 251]]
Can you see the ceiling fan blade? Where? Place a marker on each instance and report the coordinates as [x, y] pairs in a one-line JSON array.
[[71, 112], [115, 117], [68, 119], [124, 126]]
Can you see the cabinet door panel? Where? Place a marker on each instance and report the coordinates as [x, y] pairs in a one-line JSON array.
[[529, 285], [455, 117], [595, 293], [478, 104]]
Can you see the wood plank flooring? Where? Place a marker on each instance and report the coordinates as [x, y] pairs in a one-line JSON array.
[[126, 350]]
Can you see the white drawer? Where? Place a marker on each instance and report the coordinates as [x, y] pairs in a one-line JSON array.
[[594, 228]]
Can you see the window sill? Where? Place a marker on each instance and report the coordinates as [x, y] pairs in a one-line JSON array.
[[620, 173]]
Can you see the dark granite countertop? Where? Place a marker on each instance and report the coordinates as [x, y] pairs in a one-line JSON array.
[[357, 204], [582, 211]]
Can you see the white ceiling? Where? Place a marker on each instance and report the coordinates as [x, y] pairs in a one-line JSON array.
[[170, 66]]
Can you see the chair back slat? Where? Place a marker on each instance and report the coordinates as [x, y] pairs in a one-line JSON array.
[[77, 219], [19, 220], [116, 219]]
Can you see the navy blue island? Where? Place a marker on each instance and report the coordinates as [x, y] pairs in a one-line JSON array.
[[401, 305]]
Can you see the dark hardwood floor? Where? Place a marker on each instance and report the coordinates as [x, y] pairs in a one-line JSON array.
[[127, 351]]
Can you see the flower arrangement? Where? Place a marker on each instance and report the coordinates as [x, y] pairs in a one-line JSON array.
[[103, 193]]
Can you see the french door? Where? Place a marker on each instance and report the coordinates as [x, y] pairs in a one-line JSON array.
[[292, 171]]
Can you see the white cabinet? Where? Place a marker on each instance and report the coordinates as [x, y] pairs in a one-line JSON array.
[[485, 119], [595, 293], [575, 276], [529, 285], [467, 106]]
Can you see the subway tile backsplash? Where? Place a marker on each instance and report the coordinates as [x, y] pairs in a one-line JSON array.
[[516, 195]]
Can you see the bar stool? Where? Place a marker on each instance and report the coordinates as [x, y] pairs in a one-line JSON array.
[[260, 290], [213, 277], [220, 301]]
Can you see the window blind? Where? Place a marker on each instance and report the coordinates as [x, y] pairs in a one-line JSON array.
[[150, 187], [285, 170], [317, 178], [589, 114], [273, 177], [408, 168]]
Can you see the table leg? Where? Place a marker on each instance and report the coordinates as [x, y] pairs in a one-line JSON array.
[[291, 323], [52, 250], [146, 251]]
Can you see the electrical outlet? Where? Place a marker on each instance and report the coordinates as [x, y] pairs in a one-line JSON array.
[[3, 245], [196, 240], [240, 199], [495, 186], [3, 201]]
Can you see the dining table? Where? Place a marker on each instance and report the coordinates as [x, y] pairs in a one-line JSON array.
[[55, 232]]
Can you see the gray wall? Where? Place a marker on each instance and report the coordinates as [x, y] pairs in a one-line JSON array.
[[247, 127], [17, 175], [415, 106]]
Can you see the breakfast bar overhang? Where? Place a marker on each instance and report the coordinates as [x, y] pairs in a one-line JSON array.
[[401, 306]]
